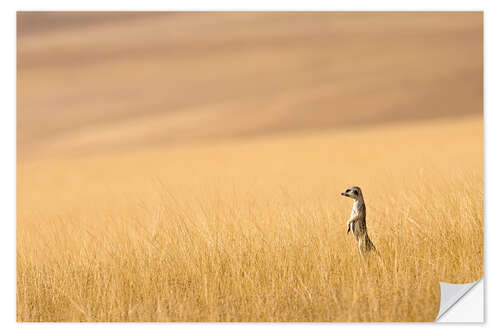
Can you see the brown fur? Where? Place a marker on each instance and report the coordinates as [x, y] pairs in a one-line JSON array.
[[357, 221]]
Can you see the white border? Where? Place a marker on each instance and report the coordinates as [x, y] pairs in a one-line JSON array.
[[256, 5], [8, 168]]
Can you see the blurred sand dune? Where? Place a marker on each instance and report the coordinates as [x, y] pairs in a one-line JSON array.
[[92, 82]]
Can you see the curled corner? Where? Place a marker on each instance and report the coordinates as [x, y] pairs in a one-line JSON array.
[[451, 294]]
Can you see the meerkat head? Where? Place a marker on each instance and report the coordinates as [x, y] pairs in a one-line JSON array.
[[353, 192]]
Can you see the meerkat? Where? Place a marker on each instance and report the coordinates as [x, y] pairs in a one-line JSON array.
[[357, 221]]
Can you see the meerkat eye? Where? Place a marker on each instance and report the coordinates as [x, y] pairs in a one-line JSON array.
[[348, 190]]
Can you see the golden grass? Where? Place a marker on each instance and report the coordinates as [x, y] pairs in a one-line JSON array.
[[253, 230]]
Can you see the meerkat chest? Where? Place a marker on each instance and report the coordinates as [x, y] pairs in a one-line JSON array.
[[358, 210]]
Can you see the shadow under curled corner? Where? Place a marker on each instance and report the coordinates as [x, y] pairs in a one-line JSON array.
[[452, 294]]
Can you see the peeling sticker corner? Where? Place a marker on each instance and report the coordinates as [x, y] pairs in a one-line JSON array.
[[451, 294]]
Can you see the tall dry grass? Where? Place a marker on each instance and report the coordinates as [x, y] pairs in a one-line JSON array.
[[253, 230]]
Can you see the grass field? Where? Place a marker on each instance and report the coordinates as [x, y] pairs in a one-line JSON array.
[[255, 229]]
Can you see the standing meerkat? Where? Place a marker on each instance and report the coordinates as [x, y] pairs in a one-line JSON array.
[[357, 221]]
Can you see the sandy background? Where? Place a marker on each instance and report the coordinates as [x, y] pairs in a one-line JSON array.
[[123, 81]]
